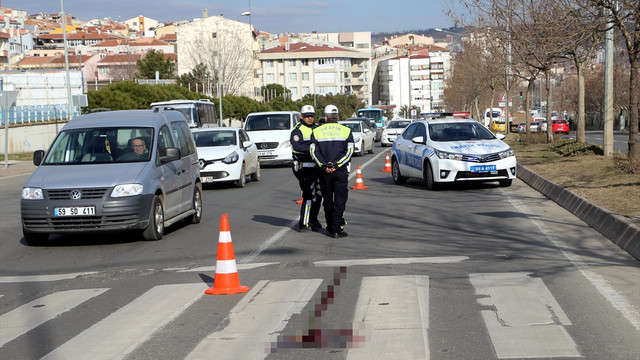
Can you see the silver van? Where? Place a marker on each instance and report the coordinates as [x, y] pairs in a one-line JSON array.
[[114, 171], [271, 132]]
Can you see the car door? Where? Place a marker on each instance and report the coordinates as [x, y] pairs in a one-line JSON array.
[[250, 152], [367, 134], [409, 162], [188, 162], [171, 174], [417, 149]]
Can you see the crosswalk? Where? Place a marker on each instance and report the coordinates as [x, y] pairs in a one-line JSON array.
[[391, 320]]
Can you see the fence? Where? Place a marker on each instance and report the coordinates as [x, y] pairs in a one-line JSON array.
[[36, 114]]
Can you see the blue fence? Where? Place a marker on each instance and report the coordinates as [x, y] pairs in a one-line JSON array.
[[36, 114]]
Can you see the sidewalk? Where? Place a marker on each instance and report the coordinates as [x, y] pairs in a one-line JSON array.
[[618, 229]]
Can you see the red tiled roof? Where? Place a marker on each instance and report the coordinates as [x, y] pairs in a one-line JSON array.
[[35, 60], [120, 58], [304, 47], [4, 35]]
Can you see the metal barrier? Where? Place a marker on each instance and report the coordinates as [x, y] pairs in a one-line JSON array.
[[18, 115]]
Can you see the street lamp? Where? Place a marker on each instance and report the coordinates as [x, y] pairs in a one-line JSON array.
[[66, 62], [246, 13]]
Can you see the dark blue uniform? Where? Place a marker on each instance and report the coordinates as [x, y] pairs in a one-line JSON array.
[[331, 147], [306, 171]]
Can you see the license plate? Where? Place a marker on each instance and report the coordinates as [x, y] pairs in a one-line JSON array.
[[207, 179], [265, 153], [483, 168], [74, 211]]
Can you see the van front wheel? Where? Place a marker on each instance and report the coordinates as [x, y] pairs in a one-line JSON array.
[[155, 229]]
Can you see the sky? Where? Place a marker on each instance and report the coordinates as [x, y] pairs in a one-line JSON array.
[[274, 16]]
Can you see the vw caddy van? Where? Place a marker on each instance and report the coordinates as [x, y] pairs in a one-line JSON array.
[[132, 170]]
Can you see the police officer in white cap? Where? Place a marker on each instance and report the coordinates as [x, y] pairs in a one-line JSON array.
[[306, 170], [331, 147]]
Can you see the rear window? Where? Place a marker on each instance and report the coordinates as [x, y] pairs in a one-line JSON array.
[[268, 122]]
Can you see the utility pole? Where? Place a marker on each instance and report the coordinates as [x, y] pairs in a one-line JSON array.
[[608, 89]]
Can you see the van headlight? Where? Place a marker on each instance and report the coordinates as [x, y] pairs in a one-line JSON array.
[[123, 190], [31, 193], [285, 144], [231, 158]]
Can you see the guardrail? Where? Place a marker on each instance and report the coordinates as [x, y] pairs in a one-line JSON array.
[[36, 114]]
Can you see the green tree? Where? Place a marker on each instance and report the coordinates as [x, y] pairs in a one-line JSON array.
[[156, 61], [199, 75]]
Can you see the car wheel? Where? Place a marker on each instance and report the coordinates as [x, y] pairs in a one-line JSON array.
[[155, 229], [34, 239], [428, 176], [256, 175], [361, 153], [505, 183], [242, 181], [395, 172], [197, 205], [373, 145]]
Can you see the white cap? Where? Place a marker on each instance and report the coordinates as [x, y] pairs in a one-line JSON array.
[[331, 110], [308, 110]]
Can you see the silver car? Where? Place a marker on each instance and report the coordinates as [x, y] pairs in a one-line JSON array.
[[114, 171], [363, 137]]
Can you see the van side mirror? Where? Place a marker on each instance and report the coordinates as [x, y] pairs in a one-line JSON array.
[[38, 155], [173, 154]]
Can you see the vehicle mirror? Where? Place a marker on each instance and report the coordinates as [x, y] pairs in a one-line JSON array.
[[172, 155], [418, 140], [500, 136], [247, 143], [38, 155]]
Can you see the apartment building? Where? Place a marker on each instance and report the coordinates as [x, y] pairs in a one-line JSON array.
[[413, 81], [305, 68]]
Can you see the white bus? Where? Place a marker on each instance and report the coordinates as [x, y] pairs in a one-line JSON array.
[[199, 113]]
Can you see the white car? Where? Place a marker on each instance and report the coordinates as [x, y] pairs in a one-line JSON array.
[[451, 150], [363, 137], [226, 155], [391, 131]]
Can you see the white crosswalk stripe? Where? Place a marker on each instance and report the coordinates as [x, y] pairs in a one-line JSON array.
[[521, 317]]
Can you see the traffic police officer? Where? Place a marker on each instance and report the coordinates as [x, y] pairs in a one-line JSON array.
[[331, 147], [306, 170]]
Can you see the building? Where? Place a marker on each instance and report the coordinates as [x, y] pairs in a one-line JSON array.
[[304, 69], [142, 25]]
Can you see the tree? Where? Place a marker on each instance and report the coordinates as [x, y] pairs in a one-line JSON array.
[[156, 61], [197, 78]]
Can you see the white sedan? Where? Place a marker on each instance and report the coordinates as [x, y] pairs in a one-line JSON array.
[[391, 131], [363, 137], [451, 150], [226, 155]]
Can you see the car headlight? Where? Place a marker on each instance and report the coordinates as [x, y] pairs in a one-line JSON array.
[[505, 154], [356, 139], [443, 155], [231, 158], [31, 193], [124, 190]]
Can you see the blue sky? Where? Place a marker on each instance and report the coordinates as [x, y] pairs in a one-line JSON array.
[[275, 16]]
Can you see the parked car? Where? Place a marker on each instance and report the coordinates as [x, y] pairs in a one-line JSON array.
[[391, 131], [534, 126], [522, 128], [451, 150], [498, 125], [560, 126], [270, 132], [133, 170], [226, 155], [363, 137]]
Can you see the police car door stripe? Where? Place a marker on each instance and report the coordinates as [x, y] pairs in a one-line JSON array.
[[257, 319], [35, 313], [121, 332], [395, 322], [525, 320]]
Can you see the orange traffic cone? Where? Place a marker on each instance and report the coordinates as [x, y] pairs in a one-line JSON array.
[[387, 164], [300, 201], [226, 281], [359, 182]]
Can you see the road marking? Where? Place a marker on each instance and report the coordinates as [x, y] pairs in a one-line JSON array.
[[395, 322], [393, 261], [525, 320], [37, 278], [617, 300], [121, 332], [35, 313], [255, 321]]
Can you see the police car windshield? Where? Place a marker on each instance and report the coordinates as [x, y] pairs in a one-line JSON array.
[[459, 132]]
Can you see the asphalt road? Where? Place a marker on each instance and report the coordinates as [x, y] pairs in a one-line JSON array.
[[466, 272]]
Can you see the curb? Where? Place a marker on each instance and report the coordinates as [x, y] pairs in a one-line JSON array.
[[617, 228]]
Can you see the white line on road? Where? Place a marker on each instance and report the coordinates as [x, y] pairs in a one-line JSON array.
[[257, 319], [395, 322], [393, 261], [35, 313], [37, 278], [121, 332]]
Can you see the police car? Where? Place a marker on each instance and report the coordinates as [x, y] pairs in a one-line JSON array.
[[451, 150]]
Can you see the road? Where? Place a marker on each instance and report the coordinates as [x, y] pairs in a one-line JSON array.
[[466, 272]]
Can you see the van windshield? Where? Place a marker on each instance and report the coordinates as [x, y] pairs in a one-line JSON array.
[[267, 122], [100, 146]]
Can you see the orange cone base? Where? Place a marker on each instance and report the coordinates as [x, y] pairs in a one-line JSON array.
[[300, 201], [359, 186], [386, 169], [227, 291]]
